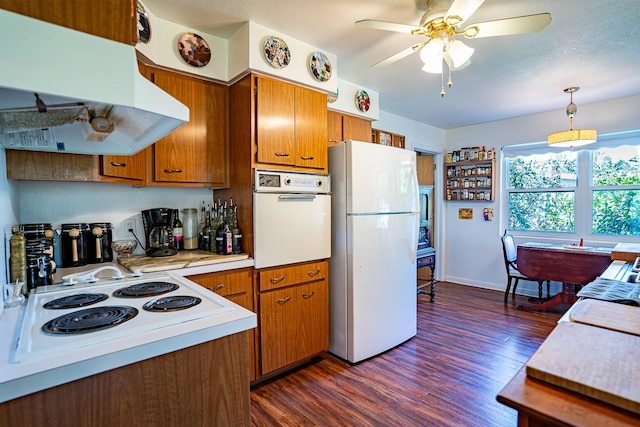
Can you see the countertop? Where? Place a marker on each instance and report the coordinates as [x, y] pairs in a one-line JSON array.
[[20, 379]]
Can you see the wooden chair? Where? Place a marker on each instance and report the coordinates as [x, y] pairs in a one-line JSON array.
[[510, 257]]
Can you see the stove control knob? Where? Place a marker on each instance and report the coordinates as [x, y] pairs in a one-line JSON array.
[[319, 183], [287, 181]]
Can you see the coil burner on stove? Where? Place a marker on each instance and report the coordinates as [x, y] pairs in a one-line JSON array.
[[148, 289], [173, 303], [75, 301], [90, 319]]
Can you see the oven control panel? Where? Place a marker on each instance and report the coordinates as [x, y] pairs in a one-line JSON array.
[[291, 182]]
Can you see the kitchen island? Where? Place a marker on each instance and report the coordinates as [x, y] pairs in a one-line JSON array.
[[190, 373]]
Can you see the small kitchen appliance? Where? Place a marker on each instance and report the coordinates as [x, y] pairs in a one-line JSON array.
[[158, 231]]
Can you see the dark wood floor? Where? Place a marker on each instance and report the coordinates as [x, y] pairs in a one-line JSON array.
[[468, 346]]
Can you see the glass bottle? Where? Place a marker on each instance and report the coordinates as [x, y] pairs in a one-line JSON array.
[[215, 223], [236, 232], [18, 259], [178, 232], [206, 235], [190, 228]]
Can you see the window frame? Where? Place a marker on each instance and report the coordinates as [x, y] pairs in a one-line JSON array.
[[583, 194]]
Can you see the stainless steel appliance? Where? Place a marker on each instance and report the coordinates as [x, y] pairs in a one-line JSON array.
[[291, 217], [90, 311], [158, 230]]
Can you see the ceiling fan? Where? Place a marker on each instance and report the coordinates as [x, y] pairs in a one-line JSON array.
[[442, 25]]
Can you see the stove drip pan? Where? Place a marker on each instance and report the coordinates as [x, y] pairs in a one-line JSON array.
[[172, 303], [146, 289], [75, 301], [90, 320]]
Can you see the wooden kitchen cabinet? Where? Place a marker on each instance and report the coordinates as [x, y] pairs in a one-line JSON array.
[[196, 154], [236, 286], [126, 168], [341, 127], [293, 314], [387, 138], [111, 19], [291, 124]]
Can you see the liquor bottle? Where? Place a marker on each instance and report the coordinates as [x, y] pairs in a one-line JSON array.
[[206, 235], [177, 231], [18, 259], [215, 223], [236, 232]]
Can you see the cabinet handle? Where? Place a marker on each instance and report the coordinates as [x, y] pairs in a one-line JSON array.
[[173, 171], [282, 154], [309, 295], [333, 140], [277, 279], [283, 300], [306, 157], [217, 287], [119, 165], [313, 273]]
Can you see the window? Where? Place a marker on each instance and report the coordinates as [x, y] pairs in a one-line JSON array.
[[584, 193]]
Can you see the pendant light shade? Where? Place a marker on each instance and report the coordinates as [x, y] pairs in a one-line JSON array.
[[572, 137]]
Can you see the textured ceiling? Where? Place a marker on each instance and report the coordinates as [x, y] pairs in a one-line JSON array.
[[594, 44]]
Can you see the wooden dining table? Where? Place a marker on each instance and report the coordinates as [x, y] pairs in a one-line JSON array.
[[573, 266]]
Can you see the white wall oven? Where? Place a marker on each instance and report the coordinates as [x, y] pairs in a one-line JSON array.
[[292, 217]]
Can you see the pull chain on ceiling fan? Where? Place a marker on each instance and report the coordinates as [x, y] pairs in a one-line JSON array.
[[442, 24]]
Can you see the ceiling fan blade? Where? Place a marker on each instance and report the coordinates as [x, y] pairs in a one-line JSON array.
[[389, 26], [462, 9], [504, 27], [402, 54]]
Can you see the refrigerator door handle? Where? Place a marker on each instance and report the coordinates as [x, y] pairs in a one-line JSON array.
[[414, 247], [416, 187]]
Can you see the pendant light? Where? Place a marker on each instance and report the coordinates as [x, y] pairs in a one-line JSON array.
[[572, 137]]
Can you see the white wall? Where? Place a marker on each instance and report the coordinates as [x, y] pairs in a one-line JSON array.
[[473, 252]]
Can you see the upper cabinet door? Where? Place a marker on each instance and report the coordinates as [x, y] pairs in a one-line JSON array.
[[275, 118], [310, 128], [197, 151]]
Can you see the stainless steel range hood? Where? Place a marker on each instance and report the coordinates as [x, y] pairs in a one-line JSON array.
[[51, 75]]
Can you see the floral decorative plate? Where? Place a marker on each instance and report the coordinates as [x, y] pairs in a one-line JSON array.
[[333, 97], [362, 100], [276, 52], [194, 49], [144, 27], [320, 66]]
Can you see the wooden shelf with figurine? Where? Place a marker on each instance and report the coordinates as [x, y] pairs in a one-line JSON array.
[[469, 175]]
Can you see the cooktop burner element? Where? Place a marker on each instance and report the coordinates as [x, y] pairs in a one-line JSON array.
[[90, 319], [173, 303], [75, 301], [146, 289]]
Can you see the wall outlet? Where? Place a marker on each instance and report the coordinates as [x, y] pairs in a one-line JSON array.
[[130, 228]]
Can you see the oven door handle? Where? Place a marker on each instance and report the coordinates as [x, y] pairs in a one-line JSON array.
[[296, 197]]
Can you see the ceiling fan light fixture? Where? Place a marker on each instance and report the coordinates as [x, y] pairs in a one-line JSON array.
[[459, 53], [432, 55], [572, 137]]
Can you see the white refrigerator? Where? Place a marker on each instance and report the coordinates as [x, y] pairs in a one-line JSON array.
[[372, 275]]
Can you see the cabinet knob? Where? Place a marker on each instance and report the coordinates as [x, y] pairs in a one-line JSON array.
[[118, 165], [283, 300], [309, 295], [313, 272], [281, 154], [173, 171], [277, 279]]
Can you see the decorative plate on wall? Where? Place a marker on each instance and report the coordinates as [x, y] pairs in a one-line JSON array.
[[320, 66], [362, 100], [333, 97], [194, 49], [144, 27], [276, 52]]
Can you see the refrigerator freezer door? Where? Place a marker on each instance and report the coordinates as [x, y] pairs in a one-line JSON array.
[[381, 307], [380, 179]]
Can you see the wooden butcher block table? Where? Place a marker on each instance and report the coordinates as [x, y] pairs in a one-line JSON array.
[[182, 259]]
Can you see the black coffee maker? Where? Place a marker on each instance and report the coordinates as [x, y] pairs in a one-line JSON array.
[[158, 224]]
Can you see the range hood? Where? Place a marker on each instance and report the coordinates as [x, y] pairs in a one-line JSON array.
[[66, 91]]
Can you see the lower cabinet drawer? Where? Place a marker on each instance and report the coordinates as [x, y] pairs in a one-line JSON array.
[[225, 282], [278, 277]]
